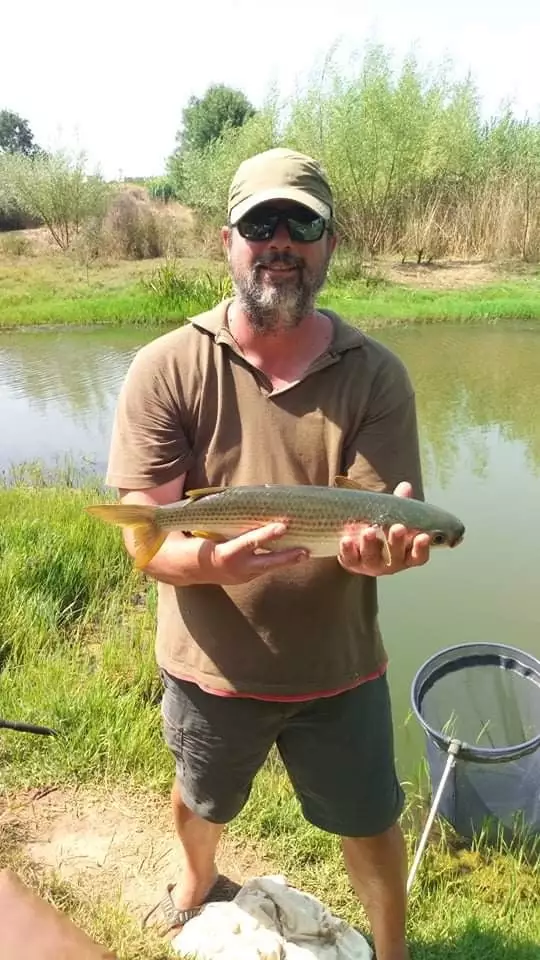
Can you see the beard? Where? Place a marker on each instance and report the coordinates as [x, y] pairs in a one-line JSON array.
[[270, 303]]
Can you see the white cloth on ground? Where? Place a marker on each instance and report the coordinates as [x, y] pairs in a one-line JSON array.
[[270, 920]]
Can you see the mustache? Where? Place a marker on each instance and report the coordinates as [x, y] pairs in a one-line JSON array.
[[285, 258]]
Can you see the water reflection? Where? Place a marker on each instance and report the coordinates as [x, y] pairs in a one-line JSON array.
[[58, 390], [469, 382]]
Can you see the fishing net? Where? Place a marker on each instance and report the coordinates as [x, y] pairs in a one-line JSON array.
[[487, 698]]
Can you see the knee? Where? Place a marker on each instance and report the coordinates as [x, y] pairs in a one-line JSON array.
[[180, 807], [392, 837]]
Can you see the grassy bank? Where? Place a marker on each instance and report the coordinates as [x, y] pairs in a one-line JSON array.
[[392, 304], [76, 648], [54, 289]]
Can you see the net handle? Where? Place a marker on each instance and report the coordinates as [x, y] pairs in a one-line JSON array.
[[453, 750]]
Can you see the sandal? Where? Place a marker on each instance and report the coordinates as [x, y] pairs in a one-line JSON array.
[[172, 917]]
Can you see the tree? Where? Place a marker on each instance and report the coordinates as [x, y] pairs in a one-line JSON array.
[[205, 119], [16, 135], [57, 190]]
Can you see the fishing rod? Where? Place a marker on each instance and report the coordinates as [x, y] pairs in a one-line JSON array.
[[27, 728]]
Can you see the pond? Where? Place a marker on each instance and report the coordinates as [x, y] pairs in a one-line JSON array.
[[478, 391]]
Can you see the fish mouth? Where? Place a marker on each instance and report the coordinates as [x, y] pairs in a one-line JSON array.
[[458, 539]]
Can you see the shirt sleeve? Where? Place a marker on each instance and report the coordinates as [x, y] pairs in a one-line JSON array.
[[149, 445], [384, 448]]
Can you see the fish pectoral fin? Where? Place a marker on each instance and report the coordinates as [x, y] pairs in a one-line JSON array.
[[209, 535], [203, 492], [341, 481], [387, 556]]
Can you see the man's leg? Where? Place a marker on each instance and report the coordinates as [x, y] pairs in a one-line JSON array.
[[219, 744], [340, 757], [377, 868], [199, 841]]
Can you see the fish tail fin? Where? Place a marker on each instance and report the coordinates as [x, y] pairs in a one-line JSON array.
[[141, 519]]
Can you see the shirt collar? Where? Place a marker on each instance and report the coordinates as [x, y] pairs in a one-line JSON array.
[[214, 321]]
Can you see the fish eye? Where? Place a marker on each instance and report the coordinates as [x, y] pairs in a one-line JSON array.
[[438, 538]]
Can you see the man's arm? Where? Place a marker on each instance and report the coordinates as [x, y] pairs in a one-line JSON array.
[[183, 561]]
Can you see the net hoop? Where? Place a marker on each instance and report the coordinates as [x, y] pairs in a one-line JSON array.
[[454, 658]]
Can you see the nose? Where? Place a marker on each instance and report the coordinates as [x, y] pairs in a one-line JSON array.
[[281, 239]]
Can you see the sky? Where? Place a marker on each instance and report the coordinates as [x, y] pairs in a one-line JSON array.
[[111, 78]]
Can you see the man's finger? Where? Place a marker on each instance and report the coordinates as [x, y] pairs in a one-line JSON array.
[[348, 551], [255, 539], [420, 550], [403, 489], [278, 558], [397, 539], [370, 546]]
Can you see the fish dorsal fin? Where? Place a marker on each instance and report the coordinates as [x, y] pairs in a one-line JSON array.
[[346, 482], [203, 492]]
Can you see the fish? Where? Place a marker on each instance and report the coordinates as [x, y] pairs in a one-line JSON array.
[[316, 516]]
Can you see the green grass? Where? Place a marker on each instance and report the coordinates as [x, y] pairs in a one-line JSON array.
[[51, 290], [519, 300], [76, 648], [131, 307], [55, 290]]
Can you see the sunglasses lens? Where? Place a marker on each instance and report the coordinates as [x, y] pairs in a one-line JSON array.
[[260, 224], [257, 228], [306, 231]]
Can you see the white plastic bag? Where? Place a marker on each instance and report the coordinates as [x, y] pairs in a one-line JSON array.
[[270, 920]]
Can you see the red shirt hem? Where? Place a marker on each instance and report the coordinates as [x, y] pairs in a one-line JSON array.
[[290, 698]]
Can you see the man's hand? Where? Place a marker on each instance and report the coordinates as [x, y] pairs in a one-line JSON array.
[[361, 551], [237, 560]]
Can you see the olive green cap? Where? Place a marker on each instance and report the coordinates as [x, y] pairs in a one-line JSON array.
[[279, 174]]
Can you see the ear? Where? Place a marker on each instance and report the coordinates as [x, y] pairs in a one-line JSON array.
[[225, 238]]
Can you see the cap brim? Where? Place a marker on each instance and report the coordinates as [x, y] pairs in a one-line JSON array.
[[281, 193]]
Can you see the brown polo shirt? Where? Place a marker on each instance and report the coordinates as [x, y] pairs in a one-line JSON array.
[[192, 404]]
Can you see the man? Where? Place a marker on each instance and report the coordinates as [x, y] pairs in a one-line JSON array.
[[260, 648]]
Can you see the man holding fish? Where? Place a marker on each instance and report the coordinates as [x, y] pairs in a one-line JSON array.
[[266, 457]]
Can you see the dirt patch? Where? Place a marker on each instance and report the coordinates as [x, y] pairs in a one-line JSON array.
[[122, 843], [444, 275]]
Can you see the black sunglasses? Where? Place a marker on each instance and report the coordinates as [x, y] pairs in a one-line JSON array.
[[303, 225]]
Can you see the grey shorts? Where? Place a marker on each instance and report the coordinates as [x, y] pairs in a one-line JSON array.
[[338, 752]]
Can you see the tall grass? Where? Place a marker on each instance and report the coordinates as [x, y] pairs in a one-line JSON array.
[[53, 577], [76, 641], [171, 287], [415, 169]]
